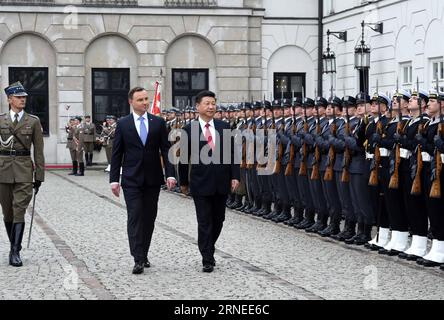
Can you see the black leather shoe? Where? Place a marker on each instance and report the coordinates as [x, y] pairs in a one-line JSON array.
[[208, 268], [138, 268], [442, 267], [430, 264], [147, 264]]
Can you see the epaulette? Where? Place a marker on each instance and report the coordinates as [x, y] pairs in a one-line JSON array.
[[33, 116]]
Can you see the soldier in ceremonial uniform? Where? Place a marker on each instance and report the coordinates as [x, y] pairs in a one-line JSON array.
[[431, 144], [88, 138], [395, 204], [19, 132], [107, 138], [78, 140], [344, 166], [70, 145]]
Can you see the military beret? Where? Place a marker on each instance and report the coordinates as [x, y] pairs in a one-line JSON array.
[[79, 118], [16, 89]]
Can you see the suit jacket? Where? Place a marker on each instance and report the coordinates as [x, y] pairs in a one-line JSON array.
[[208, 179], [141, 164]]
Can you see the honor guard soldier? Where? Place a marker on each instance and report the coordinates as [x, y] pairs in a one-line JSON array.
[[356, 172], [107, 138], [78, 140], [19, 131], [431, 142], [70, 145], [396, 172], [89, 137], [414, 188]]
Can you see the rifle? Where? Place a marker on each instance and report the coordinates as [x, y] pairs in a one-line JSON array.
[[416, 185], [303, 167], [317, 156], [328, 176], [373, 181], [277, 165], [345, 178], [435, 191], [394, 180], [289, 169], [253, 128], [244, 148]]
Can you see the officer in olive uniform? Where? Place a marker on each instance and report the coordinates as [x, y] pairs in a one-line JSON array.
[[107, 138], [89, 137], [70, 145], [19, 131], [78, 140]]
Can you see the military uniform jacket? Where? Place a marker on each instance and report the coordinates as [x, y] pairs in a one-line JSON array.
[[358, 164], [28, 132], [338, 142], [88, 132], [311, 142], [108, 134], [323, 141], [70, 138], [298, 140]]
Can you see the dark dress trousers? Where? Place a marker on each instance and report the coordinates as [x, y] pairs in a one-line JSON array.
[[142, 176], [209, 186]]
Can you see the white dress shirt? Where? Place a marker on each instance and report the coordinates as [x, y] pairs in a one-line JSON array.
[[20, 115], [212, 129]]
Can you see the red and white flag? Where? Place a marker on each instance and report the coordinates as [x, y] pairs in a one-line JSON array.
[[156, 106]]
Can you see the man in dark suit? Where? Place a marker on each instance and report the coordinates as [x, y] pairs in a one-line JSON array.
[[139, 139], [209, 182]]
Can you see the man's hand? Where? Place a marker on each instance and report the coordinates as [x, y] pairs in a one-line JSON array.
[[234, 185], [171, 183], [184, 189], [37, 185], [115, 188]]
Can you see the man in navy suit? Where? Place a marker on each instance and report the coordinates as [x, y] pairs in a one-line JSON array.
[[139, 140], [209, 182]]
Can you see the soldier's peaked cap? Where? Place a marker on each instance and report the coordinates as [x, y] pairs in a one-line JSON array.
[[16, 89]]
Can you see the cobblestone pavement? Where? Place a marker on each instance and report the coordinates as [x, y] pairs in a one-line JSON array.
[[79, 250]]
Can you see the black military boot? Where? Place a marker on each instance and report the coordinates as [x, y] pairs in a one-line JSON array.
[[366, 235], [266, 209], [247, 206], [298, 217], [285, 215], [75, 165], [348, 232], [236, 202], [91, 158], [308, 220], [333, 228], [81, 170], [277, 210], [230, 200], [8, 226], [357, 236], [321, 224], [16, 244]]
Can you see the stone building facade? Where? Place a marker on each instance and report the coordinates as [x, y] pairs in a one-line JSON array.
[[86, 54]]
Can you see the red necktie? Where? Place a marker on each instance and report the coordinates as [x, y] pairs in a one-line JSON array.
[[208, 136]]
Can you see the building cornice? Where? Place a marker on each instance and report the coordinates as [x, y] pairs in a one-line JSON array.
[[81, 9]]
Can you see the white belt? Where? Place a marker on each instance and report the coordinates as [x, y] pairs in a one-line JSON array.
[[369, 156], [405, 154], [426, 157], [384, 152]]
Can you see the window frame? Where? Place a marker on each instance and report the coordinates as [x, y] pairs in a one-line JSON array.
[[189, 92], [288, 94], [35, 92], [109, 92]]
